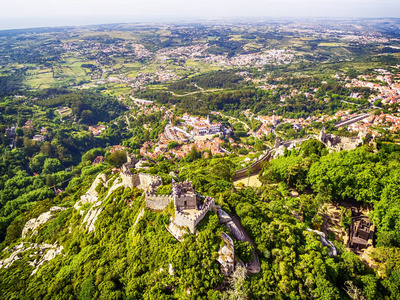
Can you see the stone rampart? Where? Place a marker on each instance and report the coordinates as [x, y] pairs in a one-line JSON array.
[[147, 180], [141, 180], [184, 220], [128, 180], [157, 202]]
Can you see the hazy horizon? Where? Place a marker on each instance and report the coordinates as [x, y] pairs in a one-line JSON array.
[[47, 13]]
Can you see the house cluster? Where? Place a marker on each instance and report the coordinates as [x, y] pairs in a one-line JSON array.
[[389, 92], [141, 79], [116, 148], [147, 108], [364, 39], [97, 130], [253, 60], [39, 138], [151, 150], [185, 52], [369, 124], [172, 133]]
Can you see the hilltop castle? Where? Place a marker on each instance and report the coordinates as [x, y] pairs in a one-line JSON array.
[[188, 209]]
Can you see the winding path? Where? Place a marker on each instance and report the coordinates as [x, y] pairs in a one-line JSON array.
[[254, 266]]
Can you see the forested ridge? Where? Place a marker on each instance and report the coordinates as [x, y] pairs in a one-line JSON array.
[[120, 261]]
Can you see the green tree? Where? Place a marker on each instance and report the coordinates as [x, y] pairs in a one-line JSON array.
[[51, 165], [117, 159]]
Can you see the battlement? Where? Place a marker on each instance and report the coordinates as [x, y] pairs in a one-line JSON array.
[[184, 198], [128, 174], [182, 188]]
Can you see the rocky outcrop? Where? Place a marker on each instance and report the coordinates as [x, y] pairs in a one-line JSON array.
[[227, 255], [92, 215], [5, 263], [171, 270], [223, 216], [140, 215], [34, 223], [91, 195], [47, 253], [43, 253], [280, 151]]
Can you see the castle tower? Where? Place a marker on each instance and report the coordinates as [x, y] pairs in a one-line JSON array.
[[277, 143], [322, 136]]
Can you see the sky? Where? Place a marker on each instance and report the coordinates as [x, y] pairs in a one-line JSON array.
[[42, 13]]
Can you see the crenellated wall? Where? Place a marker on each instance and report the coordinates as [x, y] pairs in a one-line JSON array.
[[157, 202], [184, 220]]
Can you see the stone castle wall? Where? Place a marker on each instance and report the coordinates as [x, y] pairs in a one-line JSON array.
[[184, 220], [339, 142], [157, 202], [146, 180], [141, 180], [179, 201]]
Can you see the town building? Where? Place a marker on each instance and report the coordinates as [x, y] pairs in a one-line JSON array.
[[201, 126], [39, 138]]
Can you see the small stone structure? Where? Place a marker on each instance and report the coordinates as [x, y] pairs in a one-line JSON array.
[[184, 196], [141, 180], [188, 212], [361, 233], [181, 219]]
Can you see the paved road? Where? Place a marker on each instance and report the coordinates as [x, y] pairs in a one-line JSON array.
[[197, 92]]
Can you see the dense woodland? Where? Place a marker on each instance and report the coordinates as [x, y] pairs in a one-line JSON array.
[[123, 259], [118, 261]]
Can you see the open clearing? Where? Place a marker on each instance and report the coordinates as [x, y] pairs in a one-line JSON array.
[[251, 181]]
